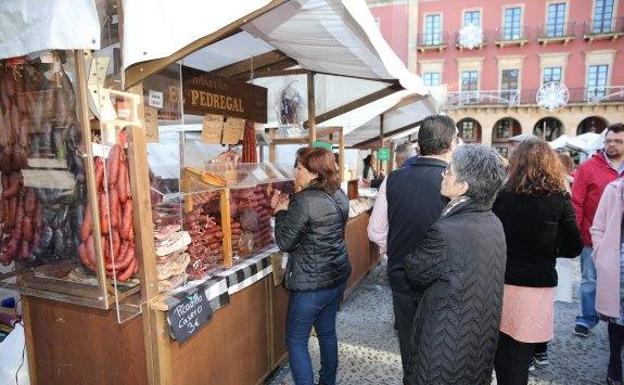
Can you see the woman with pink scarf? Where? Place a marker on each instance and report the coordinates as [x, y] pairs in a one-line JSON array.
[[608, 243]]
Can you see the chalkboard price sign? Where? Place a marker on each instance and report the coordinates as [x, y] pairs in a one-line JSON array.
[[187, 317]]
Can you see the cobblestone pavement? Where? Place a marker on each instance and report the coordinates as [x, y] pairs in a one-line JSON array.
[[369, 351]]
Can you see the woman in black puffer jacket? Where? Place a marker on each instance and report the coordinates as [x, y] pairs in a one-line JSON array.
[[459, 268], [310, 227]]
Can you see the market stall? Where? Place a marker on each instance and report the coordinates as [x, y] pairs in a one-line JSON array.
[[143, 248]]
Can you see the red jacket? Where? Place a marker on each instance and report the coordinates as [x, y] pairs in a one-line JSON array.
[[590, 181]]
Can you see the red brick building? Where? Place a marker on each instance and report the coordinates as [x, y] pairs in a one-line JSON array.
[[494, 55]]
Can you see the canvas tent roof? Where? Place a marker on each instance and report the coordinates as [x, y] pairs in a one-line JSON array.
[[337, 37]]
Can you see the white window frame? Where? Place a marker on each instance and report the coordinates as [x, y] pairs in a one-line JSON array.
[[424, 26]]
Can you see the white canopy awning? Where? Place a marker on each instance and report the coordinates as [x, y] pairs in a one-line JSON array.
[[337, 37], [28, 26]]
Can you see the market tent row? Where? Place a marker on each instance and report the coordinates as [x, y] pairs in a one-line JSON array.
[[334, 45], [287, 39]]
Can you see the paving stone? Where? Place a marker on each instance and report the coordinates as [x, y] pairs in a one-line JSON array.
[[369, 349]]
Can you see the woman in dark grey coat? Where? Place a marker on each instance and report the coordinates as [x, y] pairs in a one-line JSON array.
[[460, 269], [310, 227]]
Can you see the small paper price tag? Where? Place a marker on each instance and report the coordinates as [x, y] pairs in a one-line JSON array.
[[212, 129], [155, 99], [101, 150], [150, 115], [233, 130]]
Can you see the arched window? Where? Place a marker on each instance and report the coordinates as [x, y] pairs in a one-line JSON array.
[[548, 129], [504, 129], [591, 124], [469, 130]]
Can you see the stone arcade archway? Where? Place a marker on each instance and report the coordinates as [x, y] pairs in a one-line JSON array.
[[469, 130], [504, 129]]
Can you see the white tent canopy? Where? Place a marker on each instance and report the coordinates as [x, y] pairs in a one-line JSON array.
[[337, 37], [588, 143], [28, 26]]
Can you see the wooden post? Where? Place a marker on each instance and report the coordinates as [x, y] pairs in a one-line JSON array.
[[272, 145], [311, 109], [391, 160], [30, 342], [381, 134], [92, 194], [226, 228], [341, 152], [155, 331]]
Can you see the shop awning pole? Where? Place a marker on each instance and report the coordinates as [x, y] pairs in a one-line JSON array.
[[381, 138], [341, 152], [311, 109]]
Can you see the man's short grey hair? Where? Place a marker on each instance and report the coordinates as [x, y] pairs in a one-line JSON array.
[[482, 169], [406, 150]]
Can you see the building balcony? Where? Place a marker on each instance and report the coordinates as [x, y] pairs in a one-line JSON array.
[[527, 97], [432, 41], [511, 36], [556, 33], [606, 29], [463, 99], [471, 42]]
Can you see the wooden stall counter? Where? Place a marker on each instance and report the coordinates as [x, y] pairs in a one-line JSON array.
[[364, 255], [242, 344]]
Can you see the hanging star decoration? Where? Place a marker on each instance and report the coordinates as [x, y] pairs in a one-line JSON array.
[[552, 96], [470, 36]]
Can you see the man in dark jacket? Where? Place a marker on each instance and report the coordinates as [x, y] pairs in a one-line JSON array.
[[408, 203], [590, 181]]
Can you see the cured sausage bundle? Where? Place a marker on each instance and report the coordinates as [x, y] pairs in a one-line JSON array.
[[38, 122], [116, 218]]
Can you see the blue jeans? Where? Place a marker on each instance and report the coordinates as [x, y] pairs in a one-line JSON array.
[[587, 292], [306, 309]]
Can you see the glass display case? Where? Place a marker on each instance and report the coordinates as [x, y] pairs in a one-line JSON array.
[[48, 187]]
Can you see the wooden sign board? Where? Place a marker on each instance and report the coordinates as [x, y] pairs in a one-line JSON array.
[[188, 316], [204, 93], [233, 130], [212, 129], [150, 115]]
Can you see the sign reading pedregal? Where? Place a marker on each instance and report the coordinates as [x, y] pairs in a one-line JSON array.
[[205, 93], [186, 318]]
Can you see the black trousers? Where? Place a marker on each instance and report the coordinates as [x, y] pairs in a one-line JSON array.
[[404, 308], [512, 362], [616, 339]]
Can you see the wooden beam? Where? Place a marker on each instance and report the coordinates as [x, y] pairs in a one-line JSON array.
[[311, 109], [371, 143], [269, 70], [391, 160], [356, 104], [286, 72], [92, 194], [155, 332], [407, 101], [258, 63], [341, 153], [140, 71], [381, 130], [272, 148], [29, 341], [226, 228]]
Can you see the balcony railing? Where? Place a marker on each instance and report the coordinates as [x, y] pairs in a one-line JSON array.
[[436, 40], [557, 32], [511, 98], [460, 99], [513, 35], [609, 28]]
